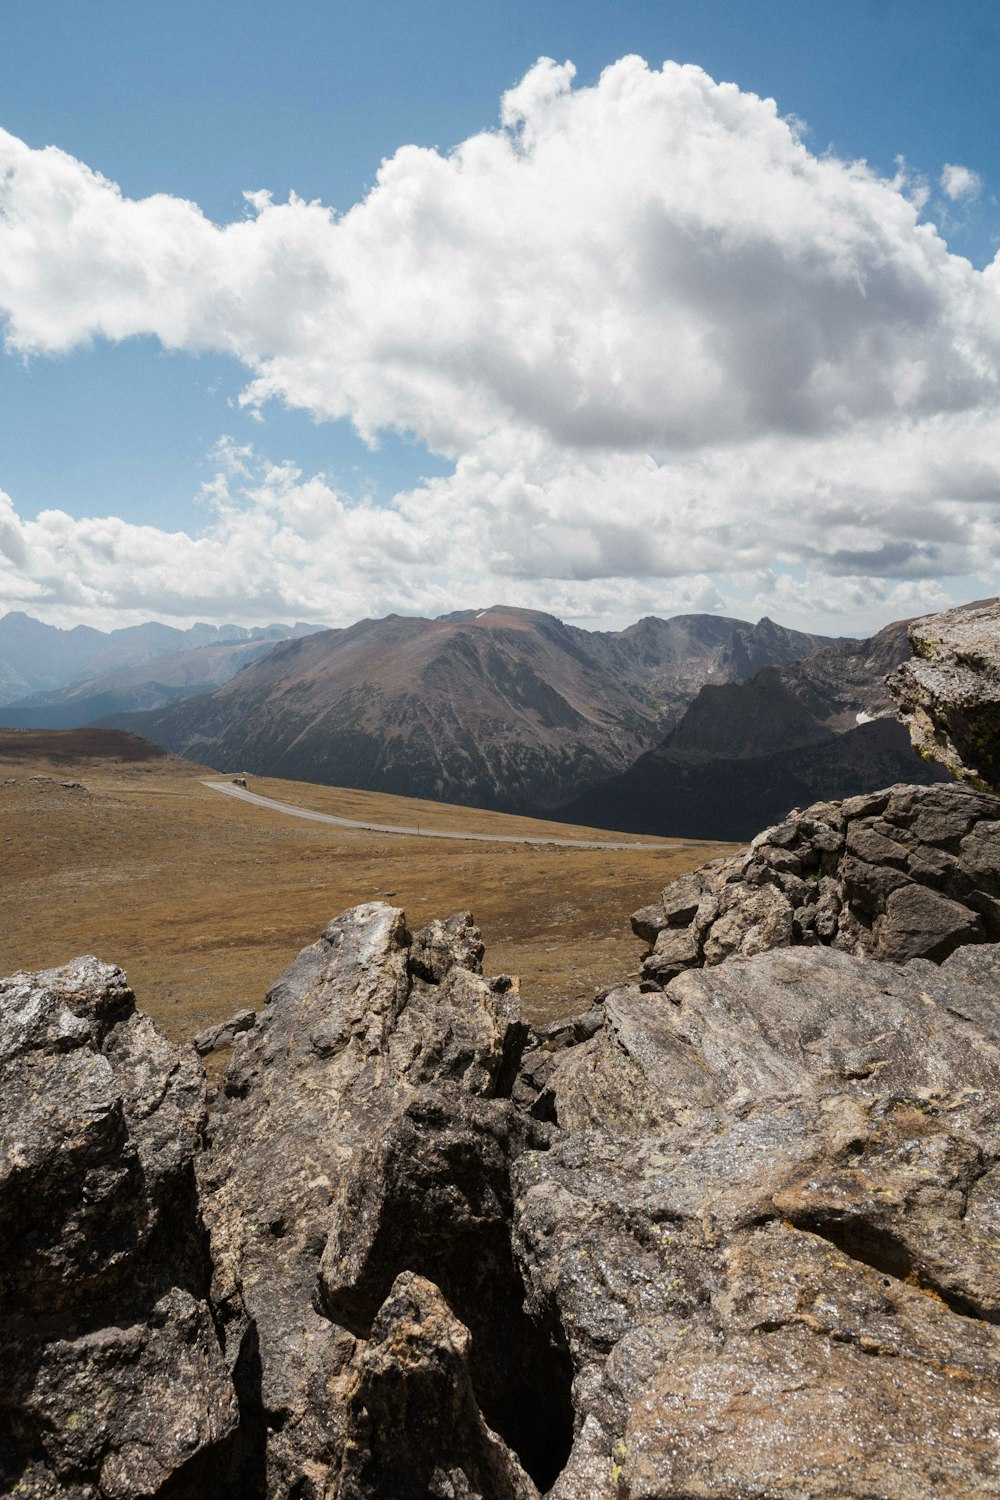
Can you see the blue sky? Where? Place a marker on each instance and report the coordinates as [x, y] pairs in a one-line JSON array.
[[206, 102]]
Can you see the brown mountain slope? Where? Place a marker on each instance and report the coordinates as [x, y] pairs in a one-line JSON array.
[[745, 753], [503, 708]]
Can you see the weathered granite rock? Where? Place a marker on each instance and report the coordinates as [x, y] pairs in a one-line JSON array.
[[949, 693], [911, 872], [416, 1428], [216, 1038], [542, 1051], [114, 1383], [441, 946], [366, 1131], [770, 1232], [827, 1378], [737, 1238]]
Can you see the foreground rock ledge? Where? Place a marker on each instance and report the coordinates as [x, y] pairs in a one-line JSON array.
[[113, 1381], [742, 1243]]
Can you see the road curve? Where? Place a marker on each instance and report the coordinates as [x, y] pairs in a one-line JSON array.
[[424, 833]]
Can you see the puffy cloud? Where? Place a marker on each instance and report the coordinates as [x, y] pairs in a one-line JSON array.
[[654, 262], [679, 361], [960, 182], [828, 533]]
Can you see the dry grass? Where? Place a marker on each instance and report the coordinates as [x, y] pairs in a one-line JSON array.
[[204, 900]]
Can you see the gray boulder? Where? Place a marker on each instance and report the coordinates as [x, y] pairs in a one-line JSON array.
[[217, 1038], [910, 872], [949, 693], [114, 1382]]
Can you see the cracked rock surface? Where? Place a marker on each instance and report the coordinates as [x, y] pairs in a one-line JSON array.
[[948, 695], [908, 872], [736, 1238]]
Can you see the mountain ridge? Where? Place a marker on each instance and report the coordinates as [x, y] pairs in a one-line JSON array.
[[745, 753], [37, 658], [502, 707]]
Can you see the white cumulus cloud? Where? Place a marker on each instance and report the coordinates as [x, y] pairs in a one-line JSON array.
[[960, 182], [674, 356]]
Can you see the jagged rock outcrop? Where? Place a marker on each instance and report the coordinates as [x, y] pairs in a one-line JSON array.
[[949, 693], [366, 1132], [769, 1229], [747, 1247], [114, 1384], [414, 1382], [908, 872]]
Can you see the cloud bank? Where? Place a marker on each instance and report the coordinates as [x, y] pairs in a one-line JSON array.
[[677, 359]]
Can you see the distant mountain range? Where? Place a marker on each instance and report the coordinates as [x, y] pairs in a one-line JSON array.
[[745, 753], [697, 726], [55, 679], [502, 708]]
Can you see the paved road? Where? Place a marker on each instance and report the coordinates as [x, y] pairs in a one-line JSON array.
[[425, 833]]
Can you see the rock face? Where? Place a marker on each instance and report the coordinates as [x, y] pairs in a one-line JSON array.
[[114, 1383], [734, 1239], [949, 693], [909, 872], [745, 752]]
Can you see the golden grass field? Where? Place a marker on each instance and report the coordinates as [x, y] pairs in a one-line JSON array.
[[204, 900]]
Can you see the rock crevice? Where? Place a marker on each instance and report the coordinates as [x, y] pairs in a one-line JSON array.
[[748, 1186]]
